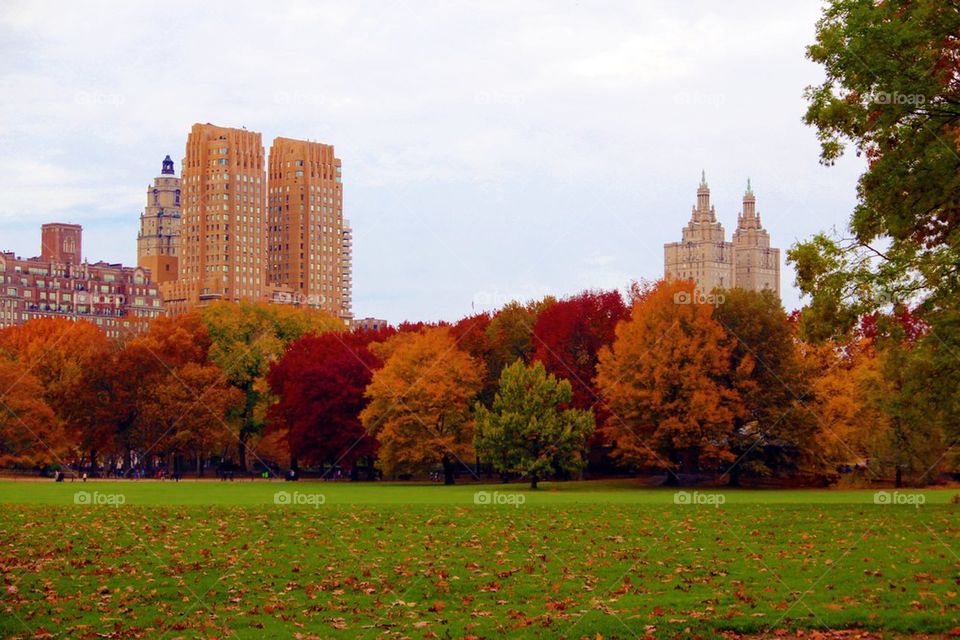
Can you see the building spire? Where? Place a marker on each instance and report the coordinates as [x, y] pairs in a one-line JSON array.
[[703, 212], [749, 218]]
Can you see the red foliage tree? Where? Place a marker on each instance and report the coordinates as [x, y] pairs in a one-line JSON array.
[[320, 383], [568, 336], [471, 335]]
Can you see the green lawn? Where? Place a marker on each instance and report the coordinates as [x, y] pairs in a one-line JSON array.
[[211, 559]]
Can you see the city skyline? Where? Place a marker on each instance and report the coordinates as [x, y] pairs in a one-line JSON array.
[[566, 169]]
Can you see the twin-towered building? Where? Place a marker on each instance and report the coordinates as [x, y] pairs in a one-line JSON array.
[[238, 227], [706, 257]]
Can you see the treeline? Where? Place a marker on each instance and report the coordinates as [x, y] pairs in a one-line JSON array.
[[664, 381]]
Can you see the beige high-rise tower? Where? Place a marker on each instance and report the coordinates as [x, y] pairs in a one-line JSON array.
[[223, 244], [159, 237], [707, 258], [757, 265], [309, 241]]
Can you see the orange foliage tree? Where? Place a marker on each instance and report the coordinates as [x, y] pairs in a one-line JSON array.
[[666, 382], [71, 362], [29, 431], [165, 385], [419, 402]]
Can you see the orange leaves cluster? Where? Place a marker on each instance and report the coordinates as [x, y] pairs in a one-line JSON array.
[[419, 402], [667, 380]]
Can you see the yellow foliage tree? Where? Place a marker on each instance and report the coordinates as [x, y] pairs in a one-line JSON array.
[[420, 400], [669, 381]]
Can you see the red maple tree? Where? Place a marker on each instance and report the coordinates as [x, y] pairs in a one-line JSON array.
[[320, 383]]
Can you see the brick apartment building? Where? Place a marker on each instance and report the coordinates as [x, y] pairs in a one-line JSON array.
[[120, 300]]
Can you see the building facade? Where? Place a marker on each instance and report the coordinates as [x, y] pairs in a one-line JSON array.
[[251, 230], [706, 257], [346, 266], [309, 242], [222, 246], [370, 324], [120, 300], [159, 238], [61, 243]]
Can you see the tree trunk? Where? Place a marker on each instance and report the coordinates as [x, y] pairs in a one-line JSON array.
[[447, 471], [93, 463], [533, 482], [242, 450], [672, 480], [199, 465], [734, 474], [899, 481]]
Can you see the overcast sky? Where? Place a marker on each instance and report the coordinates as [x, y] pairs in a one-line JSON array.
[[490, 150]]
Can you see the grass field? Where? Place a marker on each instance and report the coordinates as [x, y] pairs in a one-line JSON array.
[[574, 560]]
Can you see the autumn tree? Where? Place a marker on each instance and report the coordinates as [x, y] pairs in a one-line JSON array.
[[568, 337], [188, 412], [666, 381], [70, 360], [528, 432], [510, 333], [245, 339], [776, 432], [920, 407], [150, 364], [419, 402], [30, 434], [892, 91], [471, 335], [880, 402], [319, 385], [843, 380]]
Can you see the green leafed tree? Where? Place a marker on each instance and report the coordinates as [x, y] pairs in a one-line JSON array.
[[245, 338], [892, 91], [776, 432], [528, 432]]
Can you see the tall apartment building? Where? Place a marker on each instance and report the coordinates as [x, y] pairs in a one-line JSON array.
[[159, 237], [223, 248], [118, 299], [310, 243], [346, 264], [706, 257]]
